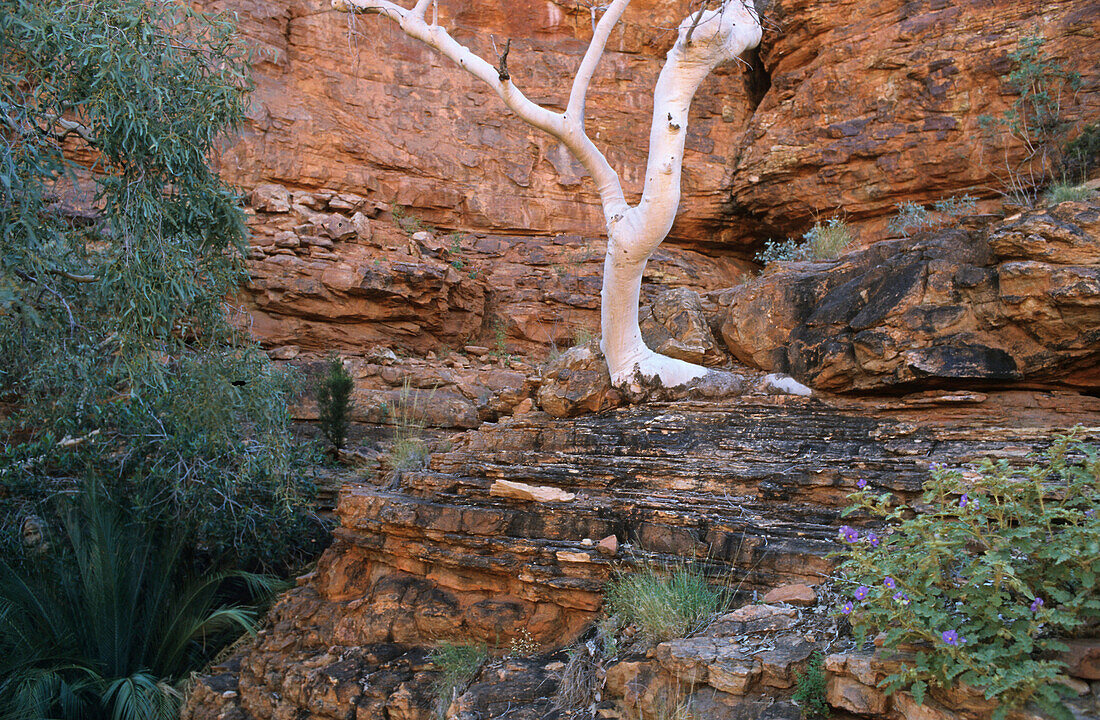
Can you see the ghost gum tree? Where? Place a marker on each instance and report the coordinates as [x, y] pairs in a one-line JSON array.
[[714, 32]]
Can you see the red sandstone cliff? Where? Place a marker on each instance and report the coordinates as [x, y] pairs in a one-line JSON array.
[[847, 108]]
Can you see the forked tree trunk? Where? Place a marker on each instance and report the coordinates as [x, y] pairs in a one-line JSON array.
[[706, 38]]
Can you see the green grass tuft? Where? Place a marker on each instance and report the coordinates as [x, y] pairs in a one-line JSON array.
[[665, 605]]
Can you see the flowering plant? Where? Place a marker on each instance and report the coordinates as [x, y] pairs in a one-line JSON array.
[[982, 577]]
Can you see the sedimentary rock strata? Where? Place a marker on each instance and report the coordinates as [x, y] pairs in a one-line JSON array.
[[1014, 300], [750, 489]]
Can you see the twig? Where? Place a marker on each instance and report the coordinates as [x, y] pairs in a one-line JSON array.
[[502, 67]]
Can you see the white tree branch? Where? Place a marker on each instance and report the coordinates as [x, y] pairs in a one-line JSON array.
[[706, 39], [574, 138], [435, 37], [574, 112]]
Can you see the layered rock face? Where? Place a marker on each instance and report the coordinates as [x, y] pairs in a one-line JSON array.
[[1015, 300], [751, 490], [849, 107], [337, 272]]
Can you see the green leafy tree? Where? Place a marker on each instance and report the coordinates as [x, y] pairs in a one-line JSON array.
[[1036, 121], [119, 359]]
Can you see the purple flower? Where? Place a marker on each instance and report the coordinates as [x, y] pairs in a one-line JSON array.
[[950, 637], [935, 467], [861, 592], [872, 539], [890, 582], [964, 500], [847, 607], [901, 597], [1036, 604], [861, 483], [849, 534]]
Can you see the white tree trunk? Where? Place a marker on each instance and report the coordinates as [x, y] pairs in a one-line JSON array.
[[705, 39]]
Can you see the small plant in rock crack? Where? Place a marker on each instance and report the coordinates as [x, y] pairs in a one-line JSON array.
[[458, 665], [334, 403], [1063, 192], [410, 224], [410, 450], [823, 241], [1035, 124], [912, 218], [522, 645], [665, 604], [998, 564], [809, 692], [579, 685]]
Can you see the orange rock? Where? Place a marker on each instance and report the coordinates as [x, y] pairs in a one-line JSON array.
[[799, 594]]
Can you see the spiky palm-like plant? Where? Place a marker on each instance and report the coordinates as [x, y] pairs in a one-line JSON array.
[[108, 620]]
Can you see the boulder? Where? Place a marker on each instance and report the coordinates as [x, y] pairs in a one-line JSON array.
[[578, 382], [1018, 300], [675, 325]]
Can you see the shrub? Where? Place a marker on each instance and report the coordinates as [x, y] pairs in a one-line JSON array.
[[410, 450], [1035, 121], [995, 566], [579, 686], [809, 691], [823, 241], [458, 665], [118, 360], [665, 605], [110, 620], [334, 403], [913, 218], [1061, 192], [1081, 155]]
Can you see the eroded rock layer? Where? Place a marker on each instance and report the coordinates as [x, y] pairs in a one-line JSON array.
[[750, 489], [1008, 301]]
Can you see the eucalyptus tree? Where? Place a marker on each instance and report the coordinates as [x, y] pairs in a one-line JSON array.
[[714, 32], [119, 358]]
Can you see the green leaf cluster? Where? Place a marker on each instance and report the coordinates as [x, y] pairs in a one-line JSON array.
[[122, 360], [665, 604], [1036, 121], [981, 579], [913, 218], [110, 619]]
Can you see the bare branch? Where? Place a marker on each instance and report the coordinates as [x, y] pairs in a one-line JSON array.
[[437, 38], [574, 111], [502, 57]]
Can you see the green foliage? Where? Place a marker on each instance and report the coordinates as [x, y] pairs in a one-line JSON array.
[[108, 620], [995, 567], [119, 360], [334, 402], [1061, 192], [810, 689], [1081, 155], [665, 605], [458, 665], [1035, 121], [824, 241], [912, 218]]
